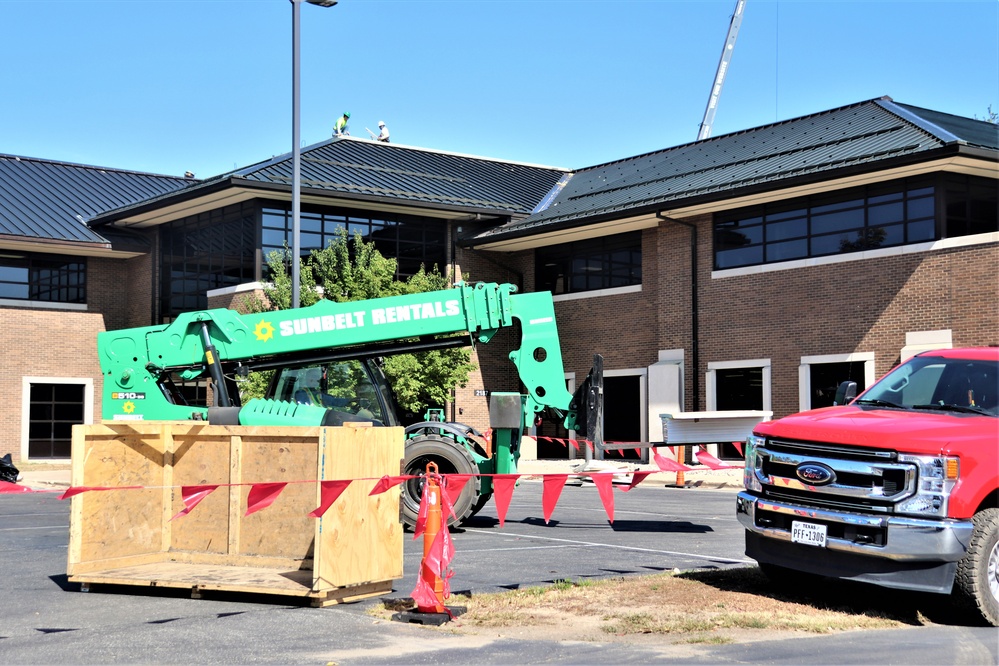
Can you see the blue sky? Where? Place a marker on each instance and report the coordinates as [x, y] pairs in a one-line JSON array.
[[168, 86]]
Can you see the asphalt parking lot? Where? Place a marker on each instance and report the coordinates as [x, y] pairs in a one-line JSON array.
[[46, 620]]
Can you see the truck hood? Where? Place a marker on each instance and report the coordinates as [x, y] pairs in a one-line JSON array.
[[901, 430]]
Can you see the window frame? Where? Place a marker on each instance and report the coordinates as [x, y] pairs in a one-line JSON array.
[[65, 274]]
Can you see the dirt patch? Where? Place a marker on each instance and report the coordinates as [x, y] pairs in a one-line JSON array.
[[701, 607]]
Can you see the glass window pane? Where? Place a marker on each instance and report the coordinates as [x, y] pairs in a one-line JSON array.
[[68, 392], [893, 235], [885, 214], [882, 198], [839, 205], [795, 249], [740, 257], [786, 230], [838, 221], [786, 215], [921, 231], [920, 207], [833, 244]]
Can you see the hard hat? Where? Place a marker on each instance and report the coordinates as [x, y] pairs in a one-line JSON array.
[[346, 114], [381, 123]]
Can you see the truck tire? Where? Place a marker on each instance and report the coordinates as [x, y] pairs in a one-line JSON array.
[[450, 458], [976, 584]]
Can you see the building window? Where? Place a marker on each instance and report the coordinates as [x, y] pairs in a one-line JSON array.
[[53, 410], [738, 385], [411, 240], [599, 263], [900, 212], [38, 277], [212, 250], [820, 376]]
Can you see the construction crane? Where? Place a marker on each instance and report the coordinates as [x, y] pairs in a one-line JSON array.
[[723, 63]]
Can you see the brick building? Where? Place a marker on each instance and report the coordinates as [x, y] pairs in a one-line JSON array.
[[747, 271]]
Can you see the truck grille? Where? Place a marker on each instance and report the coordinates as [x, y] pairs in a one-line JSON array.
[[863, 480]]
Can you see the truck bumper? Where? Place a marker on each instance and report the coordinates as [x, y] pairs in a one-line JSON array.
[[916, 554]]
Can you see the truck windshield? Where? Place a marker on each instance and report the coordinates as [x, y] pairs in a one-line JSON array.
[[946, 384]]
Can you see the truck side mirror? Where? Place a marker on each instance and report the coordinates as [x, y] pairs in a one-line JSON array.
[[846, 392]]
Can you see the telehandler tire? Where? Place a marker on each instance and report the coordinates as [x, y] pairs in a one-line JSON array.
[[450, 458]]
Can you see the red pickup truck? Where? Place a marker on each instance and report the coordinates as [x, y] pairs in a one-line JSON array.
[[899, 487]]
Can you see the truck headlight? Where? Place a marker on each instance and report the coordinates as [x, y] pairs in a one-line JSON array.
[[936, 478], [749, 478]]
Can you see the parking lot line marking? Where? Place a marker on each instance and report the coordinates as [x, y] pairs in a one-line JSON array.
[[44, 527], [494, 550], [605, 545]]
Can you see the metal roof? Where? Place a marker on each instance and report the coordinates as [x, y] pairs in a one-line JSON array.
[[48, 200], [360, 169], [859, 136]]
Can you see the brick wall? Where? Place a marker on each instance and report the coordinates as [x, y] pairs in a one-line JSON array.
[[856, 306], [43, 343]]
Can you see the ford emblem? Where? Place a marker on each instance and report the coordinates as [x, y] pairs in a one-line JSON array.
[[815, 474]]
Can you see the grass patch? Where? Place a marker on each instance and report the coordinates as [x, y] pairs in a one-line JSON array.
[[709, 607]]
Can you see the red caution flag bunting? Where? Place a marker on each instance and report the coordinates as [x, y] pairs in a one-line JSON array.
[[262, 495], [387, 482], [329, 492], [76, 490], [192, 496], [553, 484], [738, 447], [451, 489], [604, 481], [636, 478], [503, 485], [667, 465], [710, 461]]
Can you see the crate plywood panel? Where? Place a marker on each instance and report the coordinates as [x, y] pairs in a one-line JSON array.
[[269, 460], [201, 456], [123, 523], [360, 536]]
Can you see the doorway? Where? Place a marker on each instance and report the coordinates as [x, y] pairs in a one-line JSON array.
[[623, 413]]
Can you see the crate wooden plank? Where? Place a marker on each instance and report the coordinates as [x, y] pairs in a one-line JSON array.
[[224, 578]]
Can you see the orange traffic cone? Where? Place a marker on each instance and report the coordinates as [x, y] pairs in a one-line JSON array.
[[431, 529]]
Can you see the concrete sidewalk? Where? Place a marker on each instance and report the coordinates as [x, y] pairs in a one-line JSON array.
[[42, 476]]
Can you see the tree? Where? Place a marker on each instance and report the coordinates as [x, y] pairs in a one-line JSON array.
[[353, 270]]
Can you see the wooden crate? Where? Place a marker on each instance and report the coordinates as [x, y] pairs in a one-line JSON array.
[[126, 537]]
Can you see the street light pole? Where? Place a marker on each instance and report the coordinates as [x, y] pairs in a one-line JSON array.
[[296, 151]]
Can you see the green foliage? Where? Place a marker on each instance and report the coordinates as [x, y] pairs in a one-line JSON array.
[[353, 274], [350, 269]]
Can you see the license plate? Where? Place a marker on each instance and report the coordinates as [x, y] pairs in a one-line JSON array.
[[811, 534]]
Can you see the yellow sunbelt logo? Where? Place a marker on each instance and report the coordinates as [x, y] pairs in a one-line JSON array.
[[264, 331]]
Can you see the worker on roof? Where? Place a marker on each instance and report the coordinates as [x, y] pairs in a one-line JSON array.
[[383, 133], [340, 127]]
